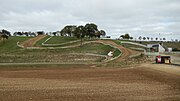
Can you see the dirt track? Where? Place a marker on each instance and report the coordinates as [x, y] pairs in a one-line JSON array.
[[144, 82], [32, 41], [125, 51], [87, 84]]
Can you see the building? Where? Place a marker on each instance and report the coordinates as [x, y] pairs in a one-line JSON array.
[[155, 48]]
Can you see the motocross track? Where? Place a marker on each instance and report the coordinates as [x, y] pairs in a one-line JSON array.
[[126, 53], [86, 83], [32, 41]]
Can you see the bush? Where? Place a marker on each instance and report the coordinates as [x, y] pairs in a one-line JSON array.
[[175, 49]]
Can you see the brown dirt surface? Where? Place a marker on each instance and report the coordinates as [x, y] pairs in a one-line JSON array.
[[32, 41], [88, 84], [126, 53], [124, 59]]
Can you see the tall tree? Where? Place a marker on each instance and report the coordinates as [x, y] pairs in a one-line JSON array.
[[126, 36], [91, 29], [144, 38], [151, 39], [148, 38], [140, 38], [5, 32], [3, 37], [156, 39], [68, 30], [80, 32]]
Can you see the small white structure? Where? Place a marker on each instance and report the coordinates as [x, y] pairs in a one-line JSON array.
[[156, 48], [110, 54], [170, 49]]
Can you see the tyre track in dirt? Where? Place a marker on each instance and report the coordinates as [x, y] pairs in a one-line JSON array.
[[88, 84], [125, 52], [31, 42]]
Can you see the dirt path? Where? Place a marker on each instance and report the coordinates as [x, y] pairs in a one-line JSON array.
[[173, 69], [126, 53], [87, 84], [32, 41]]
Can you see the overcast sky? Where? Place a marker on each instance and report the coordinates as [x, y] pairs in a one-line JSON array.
[[137, 17]]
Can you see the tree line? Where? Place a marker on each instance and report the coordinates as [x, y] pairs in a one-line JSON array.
[[4, 35], [89, 30]]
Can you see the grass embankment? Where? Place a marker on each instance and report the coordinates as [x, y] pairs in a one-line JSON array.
[[10, 45], [69, 55], [64, 41], [61, 39], [131, 46], [58, 41], [173, 45], [39, 43]]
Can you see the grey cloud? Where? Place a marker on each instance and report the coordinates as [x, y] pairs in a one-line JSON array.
[[115, 16]]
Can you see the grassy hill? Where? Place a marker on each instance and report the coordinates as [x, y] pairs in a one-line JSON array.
[[39, 43], [58, 41], [168, 44], [61, 39], [174, 45], [88, 53], [10, 45]]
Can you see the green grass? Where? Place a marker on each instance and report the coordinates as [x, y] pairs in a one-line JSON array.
[[167, 44], [10, 45], [173, 45], [56, 55], [10, 53], [39, 43], [117, 52], [117, 42], [60, 39], [95, 48]]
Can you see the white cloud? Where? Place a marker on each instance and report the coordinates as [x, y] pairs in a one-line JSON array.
[[114, 16]]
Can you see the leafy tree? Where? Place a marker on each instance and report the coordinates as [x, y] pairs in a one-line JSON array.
[[5, 32], [126, 36], [91, 29], [151, 39], [68, 30], [148, 38], [40, 32], [156, 39], [79, 32], [103, 33], [140, 38], [98, 34], [54, 33], [4, 37], [144, 38]]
